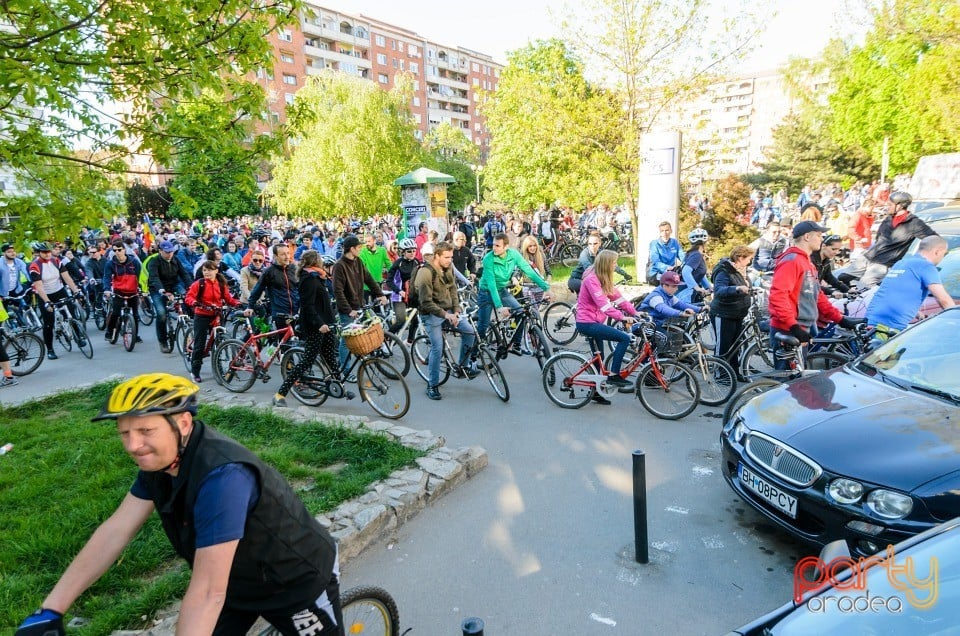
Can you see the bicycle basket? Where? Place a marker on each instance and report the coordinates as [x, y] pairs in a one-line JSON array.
[[361, 340], [669, 339]]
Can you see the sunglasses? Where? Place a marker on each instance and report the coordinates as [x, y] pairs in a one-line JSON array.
[[256, 260]]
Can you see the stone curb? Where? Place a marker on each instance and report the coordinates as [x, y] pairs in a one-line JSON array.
[[387, 504]]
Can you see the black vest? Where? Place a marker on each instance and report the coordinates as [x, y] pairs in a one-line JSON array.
[[285, 556]]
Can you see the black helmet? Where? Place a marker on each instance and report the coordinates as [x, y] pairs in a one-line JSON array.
[[901, 199]]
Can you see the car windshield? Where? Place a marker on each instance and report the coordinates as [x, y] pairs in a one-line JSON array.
[[924, 356], [890, 602], [950, 273]]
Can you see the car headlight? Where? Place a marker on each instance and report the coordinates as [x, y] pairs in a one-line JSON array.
[[889, 504], [740, 430], [845, 491]]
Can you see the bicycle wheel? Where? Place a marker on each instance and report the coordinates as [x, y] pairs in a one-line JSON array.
[[670, 394], [147, 312], [167, 347], [305, 389], [716, 378], [746, 394], [100, 318], [394, 351], [755, 362], [26, 351], [558, 377], [80, 335], [570, 254], [823, 360], [420, 361], [383, 388], [187, 350], [538, 345], [235, 365], [63, 337], [369, 610], [182, 335], [560, 323], [128, 331], [494, 373]]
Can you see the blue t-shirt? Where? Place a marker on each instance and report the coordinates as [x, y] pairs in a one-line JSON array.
[[902, 292], [226, 497]]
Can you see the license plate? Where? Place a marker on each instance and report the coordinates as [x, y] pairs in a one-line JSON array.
[[768, 492]]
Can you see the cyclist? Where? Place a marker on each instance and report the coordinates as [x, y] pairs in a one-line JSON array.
[[375, 259], [601, 299], [279, 281], [93, 267], [903, 289], [665, 253], [731, 302], [796, 299], [492, 228], [207, 296], [463, 258], [349, 278], [48, 277], [498, 267], [439, 303], [317, 320], [121, 277], [228, 514], [531, 252], [822, 259], [165, 277], [585, 261], [14, 277], [894, 238], [663, 302], [694, 269], [399, 280]]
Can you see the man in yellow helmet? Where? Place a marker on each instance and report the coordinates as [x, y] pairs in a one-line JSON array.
[[253, 548]]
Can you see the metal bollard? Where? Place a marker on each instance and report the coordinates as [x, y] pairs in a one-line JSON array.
[[472, 626], [641, 549]]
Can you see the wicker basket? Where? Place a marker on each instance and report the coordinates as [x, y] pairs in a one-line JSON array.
[[366, 341]]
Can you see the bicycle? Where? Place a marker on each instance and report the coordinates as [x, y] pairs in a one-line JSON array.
[[175, 317], [366, 610], [24, 348], [666, 388], [23, 312], [147, 312], [560, 318], [380, 384], [521, 334], [798, 364], [485, 359], [95, 301], [239, 363], [126, 325], [215, 337], [67, 329]]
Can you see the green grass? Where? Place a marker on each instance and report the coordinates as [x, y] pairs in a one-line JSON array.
[[66, 475], [561, 273]]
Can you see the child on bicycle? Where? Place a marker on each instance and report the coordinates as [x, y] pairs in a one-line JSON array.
[[206, 296]]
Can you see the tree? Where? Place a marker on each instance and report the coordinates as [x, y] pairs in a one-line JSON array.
[[453, 153], [143, 200], [730, 200], [902, 83], [111, 76], [353, 141]]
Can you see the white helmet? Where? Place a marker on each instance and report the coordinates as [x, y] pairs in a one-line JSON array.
[[408, 244], [698, 235]]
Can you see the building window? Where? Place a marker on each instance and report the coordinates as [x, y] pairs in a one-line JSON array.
[[380, 40], [288, 97], [393, 45], [270, 75], [401, 65], [382, 58], [475, 67], [414, 68], [290, 79], [417, 117], [382, 78], [275, 117], [431, 70], [416, 100], [286, 35], [394, 62], [286, 57], [413, 50], [431, 54], [361, 33], [399, 46]]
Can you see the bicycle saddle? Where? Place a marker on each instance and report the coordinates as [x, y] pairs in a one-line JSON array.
[[787, 340]]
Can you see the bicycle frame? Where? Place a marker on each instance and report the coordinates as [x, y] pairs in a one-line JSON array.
[[285, 333]]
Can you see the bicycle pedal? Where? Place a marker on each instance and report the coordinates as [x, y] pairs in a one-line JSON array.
[[265, 378], [349, 395]]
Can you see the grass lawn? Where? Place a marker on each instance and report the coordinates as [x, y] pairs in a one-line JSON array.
[[65, 475], [561, 273]]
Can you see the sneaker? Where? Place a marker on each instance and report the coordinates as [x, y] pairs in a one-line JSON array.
[[197, 379], [107, 336], [617, 381], [470, 371], [352, 378], [279, 401], [599, 399], [9, 381], [139, 340], [433, 393], [52, 356]]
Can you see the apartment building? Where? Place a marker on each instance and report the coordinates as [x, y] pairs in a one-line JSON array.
[[447, 78], [729, 126]]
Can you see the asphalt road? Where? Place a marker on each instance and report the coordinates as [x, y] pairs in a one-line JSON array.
[[542, 541]]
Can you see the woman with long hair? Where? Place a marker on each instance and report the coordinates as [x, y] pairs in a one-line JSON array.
[[531, 252], [317, 321], [599, 300]]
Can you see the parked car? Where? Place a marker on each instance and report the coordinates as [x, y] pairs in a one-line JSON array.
[[928, 213], [838, 609], [868, 452]]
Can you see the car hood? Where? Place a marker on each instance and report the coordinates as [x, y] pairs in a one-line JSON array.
[[856, 426]]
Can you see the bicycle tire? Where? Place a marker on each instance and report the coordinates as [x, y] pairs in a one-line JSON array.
[[570, 254], [394, 351], [128, 331], [496, 378], [171, 335], [64, 338], [676, 385], [560, 323], [26, 352], [100, 319], [78, 333], [182, 335], [539, 345], [187, 352], [755, 362], [563, 367], [745, 394], [302, 390], [421, 364], [383, 388], [236, 365], [147, 313], [824, 360], [717, 379]]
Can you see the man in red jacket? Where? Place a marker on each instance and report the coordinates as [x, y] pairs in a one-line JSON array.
[[796, 298]]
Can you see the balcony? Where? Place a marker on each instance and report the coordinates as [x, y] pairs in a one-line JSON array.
[[446, 81], [443, 114], [331, 33], [442, 97], [335, 56]]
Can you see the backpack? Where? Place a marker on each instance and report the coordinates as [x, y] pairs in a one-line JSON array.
[[187, 309], [413, 300]]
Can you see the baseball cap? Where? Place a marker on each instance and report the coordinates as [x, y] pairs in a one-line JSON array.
[[5, 247], [804, 227], [670, 278], [167, 246]]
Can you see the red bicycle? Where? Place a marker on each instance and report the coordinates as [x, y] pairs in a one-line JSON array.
[[216, 336], [237, 363]]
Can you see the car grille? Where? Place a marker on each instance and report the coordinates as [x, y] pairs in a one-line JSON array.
[[782, 460]]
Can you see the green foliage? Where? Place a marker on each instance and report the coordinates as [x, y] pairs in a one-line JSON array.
[[142, 200], [730, 200], [44, 526], [902, 83], [76, 73], [352, 141]]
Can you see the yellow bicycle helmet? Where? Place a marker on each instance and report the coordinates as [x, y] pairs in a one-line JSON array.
[[150, 394]]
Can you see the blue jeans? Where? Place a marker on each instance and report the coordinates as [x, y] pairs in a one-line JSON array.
[[160, 308], [434, 328], [599, 331], [485, 306], [345, 320]]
